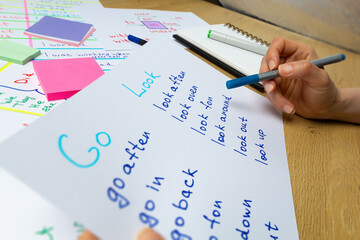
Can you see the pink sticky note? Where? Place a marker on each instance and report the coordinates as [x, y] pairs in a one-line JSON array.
[[62, 78]]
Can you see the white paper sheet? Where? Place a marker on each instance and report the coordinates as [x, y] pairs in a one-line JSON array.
[[11, 122], [164, 144], [26, 215], [21, 98], [114, 25]]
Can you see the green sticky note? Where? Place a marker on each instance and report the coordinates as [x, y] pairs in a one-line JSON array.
[[11, 51]]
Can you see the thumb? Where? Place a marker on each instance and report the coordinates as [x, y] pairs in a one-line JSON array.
[[305, 70], [149, 234]]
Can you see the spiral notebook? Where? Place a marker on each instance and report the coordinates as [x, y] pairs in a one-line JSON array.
[[236, 61]]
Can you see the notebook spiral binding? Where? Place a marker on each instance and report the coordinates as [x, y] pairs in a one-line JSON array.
[[247, 34]]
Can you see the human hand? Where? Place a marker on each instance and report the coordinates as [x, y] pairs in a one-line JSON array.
[[149, 234], [302, 87]]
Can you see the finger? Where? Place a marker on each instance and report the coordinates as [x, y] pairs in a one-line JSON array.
[[284, 50], [305, 70], [264, 66], [279, 47], [269, 85], [86, 235], [280, 102], [283, 46], [149, 234]]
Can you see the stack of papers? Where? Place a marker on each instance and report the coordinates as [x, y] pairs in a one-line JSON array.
[[61, 30]]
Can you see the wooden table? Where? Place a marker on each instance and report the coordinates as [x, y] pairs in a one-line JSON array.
[[323, 156]]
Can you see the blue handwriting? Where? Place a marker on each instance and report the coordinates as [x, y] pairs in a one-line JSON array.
[[215, 215], [146, 84], [183, 205], [98, 140], [272, 228], [245, 221], [242, 138], [168, 95], [133, 150]]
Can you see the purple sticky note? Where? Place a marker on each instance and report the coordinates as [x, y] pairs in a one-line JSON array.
[[60, 30], [154, 25]]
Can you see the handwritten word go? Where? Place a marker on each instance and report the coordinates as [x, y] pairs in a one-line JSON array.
[[103, 142]]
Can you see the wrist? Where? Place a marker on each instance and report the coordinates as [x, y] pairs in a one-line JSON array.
[[347, 106]]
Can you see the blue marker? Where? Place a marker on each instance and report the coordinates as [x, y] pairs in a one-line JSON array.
[[239, 82], [137, 40]]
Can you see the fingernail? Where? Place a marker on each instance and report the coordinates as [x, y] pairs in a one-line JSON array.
[[268, 87], [288, 109], [286, 68], [271, 65]]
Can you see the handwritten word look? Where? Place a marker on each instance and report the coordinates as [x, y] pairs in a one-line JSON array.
[[207, 104], [263, 158], [242, 138], [185, 107], [176, 81], [221, 127], [146, 84]]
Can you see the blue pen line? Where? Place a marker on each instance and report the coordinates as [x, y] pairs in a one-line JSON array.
[[22, 90], [197, 131], [159, 107], [240, 152], [177, 118], [261, 161], [218, 142]]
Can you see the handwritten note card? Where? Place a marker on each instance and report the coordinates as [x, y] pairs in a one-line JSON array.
[[166, 145]]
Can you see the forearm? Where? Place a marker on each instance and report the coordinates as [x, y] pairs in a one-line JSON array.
[[348, 106]]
